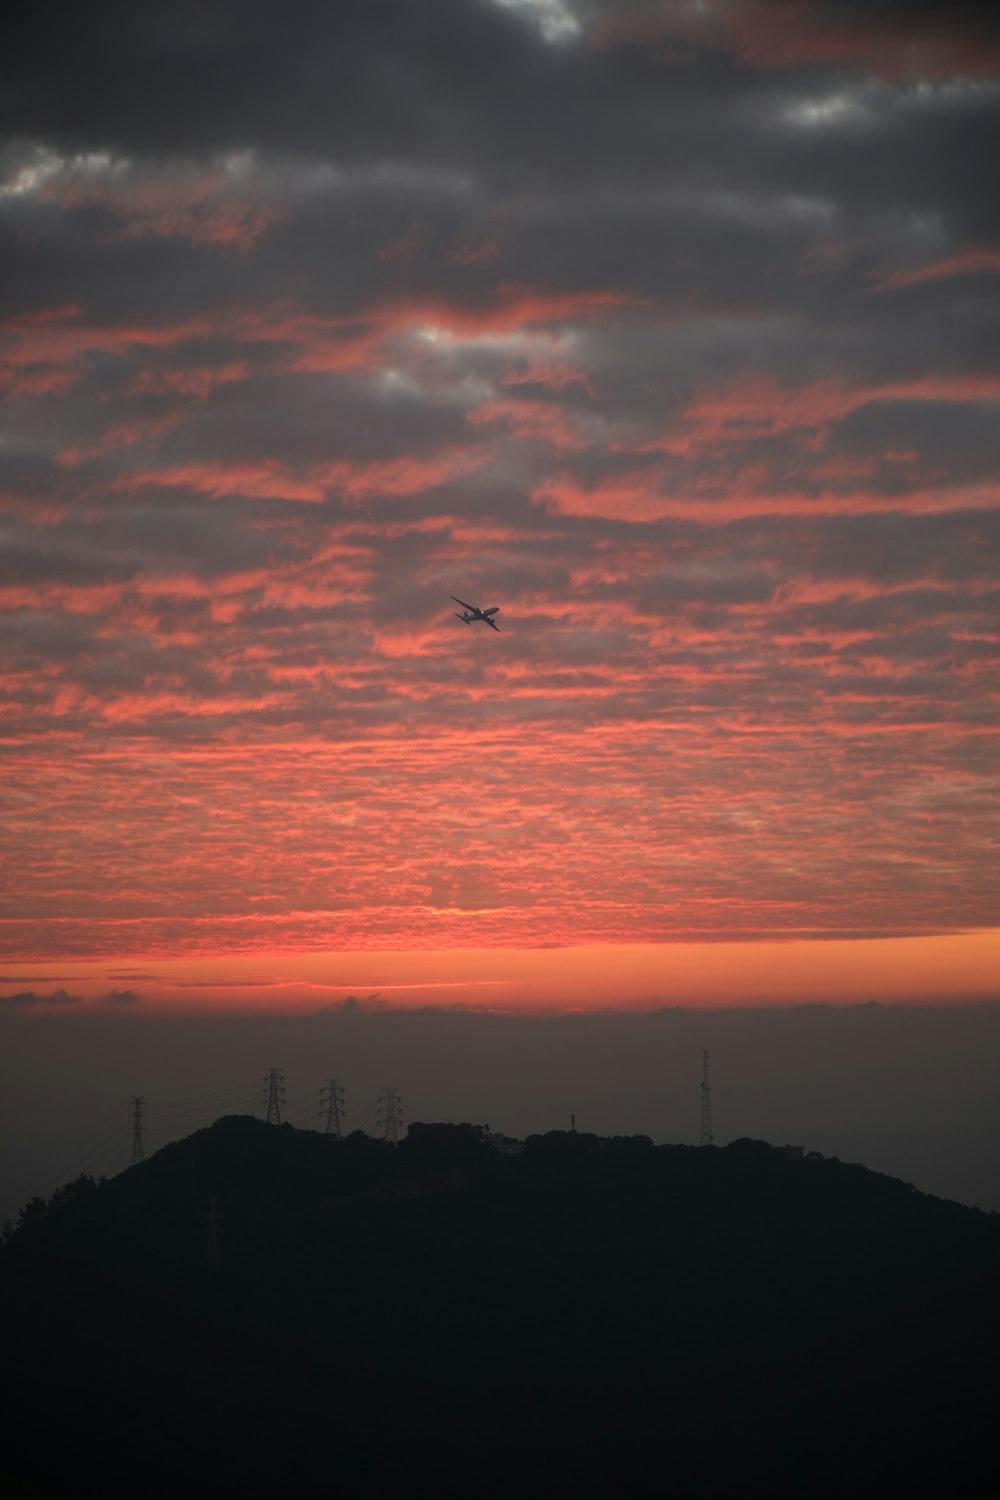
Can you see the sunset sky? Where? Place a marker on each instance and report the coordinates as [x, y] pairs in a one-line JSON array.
[[672, 329]]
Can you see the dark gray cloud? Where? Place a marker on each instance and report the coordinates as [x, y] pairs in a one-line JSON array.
[[352, 1005], [29, 999]]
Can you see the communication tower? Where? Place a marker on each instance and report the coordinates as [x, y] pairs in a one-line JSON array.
[[275, 1095], [707, 1138], [138, 1126], [390, 1115], [332, 1106]]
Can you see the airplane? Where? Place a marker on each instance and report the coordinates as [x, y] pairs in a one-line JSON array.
[[472, 613]]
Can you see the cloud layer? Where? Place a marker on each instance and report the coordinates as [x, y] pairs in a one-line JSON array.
[[672, 329]]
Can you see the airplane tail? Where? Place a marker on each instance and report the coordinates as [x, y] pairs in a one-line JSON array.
[[463, 618]]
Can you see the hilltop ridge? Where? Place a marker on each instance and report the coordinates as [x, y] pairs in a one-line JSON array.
[[581, 1270]]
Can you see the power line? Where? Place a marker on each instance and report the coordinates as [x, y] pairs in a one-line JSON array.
[[196, 1102], [178, 1118], [63, 1173], [231, 1088], [369, 1118], [302, 1116], [62, 1176], [109, 1157]]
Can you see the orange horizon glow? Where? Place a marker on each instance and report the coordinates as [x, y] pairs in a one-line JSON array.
[[924, 970]]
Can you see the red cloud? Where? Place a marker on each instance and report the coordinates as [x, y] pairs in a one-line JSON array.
[[768, 34], [35, 379], [122, 435], [192, 380], [720, 464], [476, 252], [554, 375], [206, 209], [970, 262], [50, 350], [756, 406], [404, 474], [653, 495], [262, 481], [405, 247], [530, 419]]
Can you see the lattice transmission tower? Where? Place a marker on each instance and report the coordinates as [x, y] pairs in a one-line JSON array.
[[707, 1138], [275, 1095], [138, 1118], [332, 1107], [390, 1115]]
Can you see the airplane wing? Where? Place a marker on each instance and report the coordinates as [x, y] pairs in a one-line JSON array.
[[462, 602], [496, 627]]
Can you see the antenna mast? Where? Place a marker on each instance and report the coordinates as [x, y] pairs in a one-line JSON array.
[[707, 1138], [332, 1106]]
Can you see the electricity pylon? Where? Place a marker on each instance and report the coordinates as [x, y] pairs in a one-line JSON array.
[[138, 1126], [707, 1138], [213, 1232], [390, 1115], [332, 1106], [275, 1095]]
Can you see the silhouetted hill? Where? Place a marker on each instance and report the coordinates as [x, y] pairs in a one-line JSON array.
[[593, 1307]]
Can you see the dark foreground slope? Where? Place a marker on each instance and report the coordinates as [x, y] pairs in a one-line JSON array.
[[606, 1313]]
